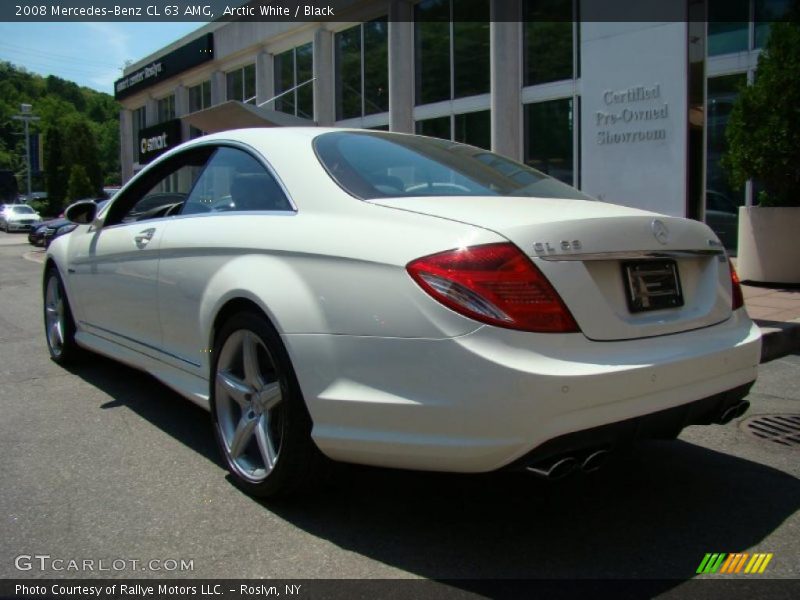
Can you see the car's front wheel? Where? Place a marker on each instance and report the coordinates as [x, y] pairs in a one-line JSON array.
[[59, 326], [260, 420]]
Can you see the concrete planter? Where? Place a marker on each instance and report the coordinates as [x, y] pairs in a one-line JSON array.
[[769, 244]]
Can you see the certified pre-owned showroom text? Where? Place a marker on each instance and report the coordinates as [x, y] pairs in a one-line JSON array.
[[45, 562]]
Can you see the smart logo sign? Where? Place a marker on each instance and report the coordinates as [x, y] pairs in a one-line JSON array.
[[154, 141]]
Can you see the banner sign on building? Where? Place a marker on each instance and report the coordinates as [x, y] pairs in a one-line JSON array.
[[154, 141], [190, 55], [36, 154]]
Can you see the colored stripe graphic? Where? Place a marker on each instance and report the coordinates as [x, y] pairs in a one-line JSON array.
[[711, 562], [734, 562]]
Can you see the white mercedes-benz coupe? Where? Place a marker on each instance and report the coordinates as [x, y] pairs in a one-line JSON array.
[[401, 301]]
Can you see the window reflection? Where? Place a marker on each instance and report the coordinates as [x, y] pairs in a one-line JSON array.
[[291, 69], [722, 200], [548, 40], [241, 84], [451, 49], [362, 70], [549, 138], [438, 127], [474, 128]]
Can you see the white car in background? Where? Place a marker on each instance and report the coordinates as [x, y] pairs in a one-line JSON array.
[[400, 301], [18, 217]]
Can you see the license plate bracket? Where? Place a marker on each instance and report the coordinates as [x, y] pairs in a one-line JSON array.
[[652, 285]]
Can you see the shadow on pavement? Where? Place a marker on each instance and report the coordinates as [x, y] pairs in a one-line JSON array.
[[650, 514], [151, 400]]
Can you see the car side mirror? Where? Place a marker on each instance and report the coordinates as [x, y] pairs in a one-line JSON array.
[[82, 213]]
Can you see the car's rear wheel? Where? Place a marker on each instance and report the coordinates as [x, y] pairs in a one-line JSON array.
[[260, 420], [59, 326]]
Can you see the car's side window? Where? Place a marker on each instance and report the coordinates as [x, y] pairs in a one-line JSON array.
[[162, 191], [233, 180]]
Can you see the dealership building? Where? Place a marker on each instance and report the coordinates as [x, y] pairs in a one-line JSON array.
[[629, 112]]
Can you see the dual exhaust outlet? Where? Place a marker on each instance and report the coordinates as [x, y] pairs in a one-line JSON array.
[[562, 467]]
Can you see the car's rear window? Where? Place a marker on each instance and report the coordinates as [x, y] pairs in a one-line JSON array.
[[22, 209], [372, 165]]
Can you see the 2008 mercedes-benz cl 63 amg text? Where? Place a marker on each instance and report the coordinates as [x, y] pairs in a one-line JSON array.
[[401, 301]]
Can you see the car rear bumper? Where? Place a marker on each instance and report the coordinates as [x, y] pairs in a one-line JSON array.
[[481, 401]]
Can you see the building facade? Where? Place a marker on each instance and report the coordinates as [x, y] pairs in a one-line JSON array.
[[629, 112]]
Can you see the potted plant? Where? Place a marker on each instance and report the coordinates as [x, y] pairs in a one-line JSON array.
[[764, 145]]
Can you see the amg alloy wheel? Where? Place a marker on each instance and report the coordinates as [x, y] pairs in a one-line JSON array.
[[59, 326], [260, 420]]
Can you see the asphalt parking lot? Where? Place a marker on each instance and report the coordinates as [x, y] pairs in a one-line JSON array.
[[103, 462]]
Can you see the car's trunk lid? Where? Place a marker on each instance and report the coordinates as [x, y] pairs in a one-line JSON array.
[[595, 256]]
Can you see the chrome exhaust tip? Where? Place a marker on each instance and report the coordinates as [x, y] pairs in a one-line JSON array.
[[733, 412], [742, 408], [594, 461], [557, 470]]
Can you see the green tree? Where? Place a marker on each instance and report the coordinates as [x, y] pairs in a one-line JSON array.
[[79, 184], [58, 103], [55, 180], [764, 128], [81, 149]]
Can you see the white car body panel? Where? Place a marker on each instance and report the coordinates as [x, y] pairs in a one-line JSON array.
[[391, 376]]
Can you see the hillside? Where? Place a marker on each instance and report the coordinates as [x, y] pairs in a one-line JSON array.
[[82, 123]]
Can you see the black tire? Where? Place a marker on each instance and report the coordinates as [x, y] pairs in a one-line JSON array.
[[297, 463], [67, 351]]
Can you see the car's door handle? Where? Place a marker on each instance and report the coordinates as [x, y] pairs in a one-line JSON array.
[[143, 237]]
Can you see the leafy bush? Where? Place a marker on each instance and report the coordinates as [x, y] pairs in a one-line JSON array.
[[764, 128]]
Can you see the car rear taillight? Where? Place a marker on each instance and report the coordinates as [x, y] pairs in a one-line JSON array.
[[495, 284], [737, 298]]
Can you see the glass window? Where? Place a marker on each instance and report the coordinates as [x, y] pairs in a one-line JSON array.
[[200, 96], [451, 49], [438, 127], [765, 12], [548, 40], [161, 191], [474, 128], [470, 48], [376, 66], [466, 64], [241, 84], [548, 138], [728, 26], [235, 181], [720, 96], [373, 165], [284, 80], [166, 108], [348, 73], [233, 85], [294, 68], [362, 70], [304, 64], [432, 50]]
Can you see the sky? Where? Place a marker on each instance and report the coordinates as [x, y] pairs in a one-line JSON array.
[[90, 54]]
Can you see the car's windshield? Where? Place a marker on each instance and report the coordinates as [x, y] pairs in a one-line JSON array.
[[22, 209], [371, 165]]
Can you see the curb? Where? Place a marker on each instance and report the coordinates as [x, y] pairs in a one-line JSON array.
[[778, 338]]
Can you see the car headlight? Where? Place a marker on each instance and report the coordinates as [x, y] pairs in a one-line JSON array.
[[65, 229]]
